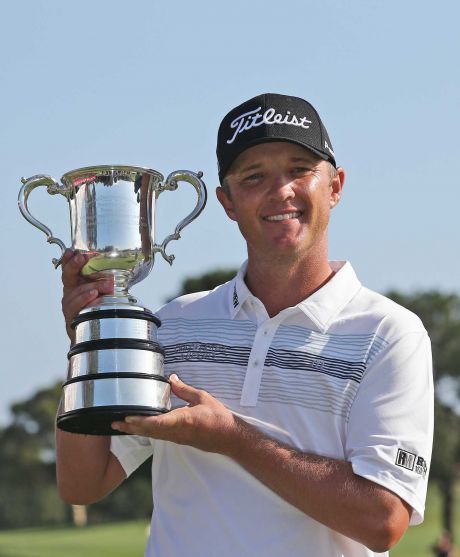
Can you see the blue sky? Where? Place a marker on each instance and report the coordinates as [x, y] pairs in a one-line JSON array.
[[146, 83]]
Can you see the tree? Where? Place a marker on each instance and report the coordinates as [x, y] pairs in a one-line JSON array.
[[445, 460], [206, 281], [29, 495]]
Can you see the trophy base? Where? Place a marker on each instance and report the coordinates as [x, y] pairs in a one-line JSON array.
[[115, 370], [97, 421]]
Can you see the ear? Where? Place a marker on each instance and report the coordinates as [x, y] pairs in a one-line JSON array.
[[226, 202], [336, 187]]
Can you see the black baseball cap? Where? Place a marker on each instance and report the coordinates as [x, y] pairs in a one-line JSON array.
[[271, 117]]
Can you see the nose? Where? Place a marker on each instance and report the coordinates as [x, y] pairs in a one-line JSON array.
[[281, 188]]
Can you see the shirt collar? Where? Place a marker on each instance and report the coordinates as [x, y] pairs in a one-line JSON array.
[[238, 291], [321, 307], [324, 304]]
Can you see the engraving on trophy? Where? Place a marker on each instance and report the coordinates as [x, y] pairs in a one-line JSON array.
[[115, 367]]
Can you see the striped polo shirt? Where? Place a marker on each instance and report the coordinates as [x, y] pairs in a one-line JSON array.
[[345, 374]]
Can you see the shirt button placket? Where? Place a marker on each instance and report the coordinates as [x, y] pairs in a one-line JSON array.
[[251, 386]]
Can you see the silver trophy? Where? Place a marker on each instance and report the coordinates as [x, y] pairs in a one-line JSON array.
[[116, 363]]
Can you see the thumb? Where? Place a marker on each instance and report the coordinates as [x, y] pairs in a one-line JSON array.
[[184, 391]]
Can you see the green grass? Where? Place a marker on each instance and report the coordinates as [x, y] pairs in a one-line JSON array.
[[127, 539]]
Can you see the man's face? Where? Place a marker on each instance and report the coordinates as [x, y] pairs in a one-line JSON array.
[[281, 196]]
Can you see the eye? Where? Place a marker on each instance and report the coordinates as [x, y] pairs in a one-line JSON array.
[[252, 178], [301, 170]]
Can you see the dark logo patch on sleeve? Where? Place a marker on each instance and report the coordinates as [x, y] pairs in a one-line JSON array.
[[412, 462], [405, 459]]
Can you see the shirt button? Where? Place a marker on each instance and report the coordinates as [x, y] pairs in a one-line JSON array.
[[255, 363], [265, 332]]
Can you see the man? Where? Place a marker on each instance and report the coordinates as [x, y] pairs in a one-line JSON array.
[[302, 422]]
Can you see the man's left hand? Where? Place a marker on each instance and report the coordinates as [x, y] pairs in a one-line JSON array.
[[205, 423]]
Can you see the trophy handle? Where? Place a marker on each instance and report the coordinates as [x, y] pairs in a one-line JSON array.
[[53, 187], [171, 184]]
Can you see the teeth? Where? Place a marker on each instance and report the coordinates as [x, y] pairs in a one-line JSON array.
[[285, 216]]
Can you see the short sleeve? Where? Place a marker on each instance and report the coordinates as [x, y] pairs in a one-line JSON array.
[[131, 451], [390, 426]]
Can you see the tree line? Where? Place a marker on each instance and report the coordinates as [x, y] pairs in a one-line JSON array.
[[28, 495]]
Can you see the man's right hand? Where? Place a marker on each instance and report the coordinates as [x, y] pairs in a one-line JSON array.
[[79, 291]]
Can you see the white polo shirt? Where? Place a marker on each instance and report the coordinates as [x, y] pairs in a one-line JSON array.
[[344, 374]]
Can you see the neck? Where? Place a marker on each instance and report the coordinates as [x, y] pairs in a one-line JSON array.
[[282, 283]]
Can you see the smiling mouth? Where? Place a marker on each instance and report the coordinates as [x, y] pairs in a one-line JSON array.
[[284, 216]]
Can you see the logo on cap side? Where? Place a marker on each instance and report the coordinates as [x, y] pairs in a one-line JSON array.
[[255, 118], [326, 146]]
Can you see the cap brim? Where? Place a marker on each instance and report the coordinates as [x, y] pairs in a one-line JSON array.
[[260, 140]]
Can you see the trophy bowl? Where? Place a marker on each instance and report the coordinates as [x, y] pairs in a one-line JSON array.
[[115, 365]]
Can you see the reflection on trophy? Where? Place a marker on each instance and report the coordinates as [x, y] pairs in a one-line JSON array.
[[116, 363]]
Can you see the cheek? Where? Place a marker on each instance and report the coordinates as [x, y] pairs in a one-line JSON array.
[[325, 209], [320, 207], [242, 214], [232, 210], [322, 195], [313, 196]]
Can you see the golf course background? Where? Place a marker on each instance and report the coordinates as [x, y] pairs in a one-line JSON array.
[[127, 539]]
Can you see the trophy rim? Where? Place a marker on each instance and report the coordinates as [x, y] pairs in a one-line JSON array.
[[123, 167]]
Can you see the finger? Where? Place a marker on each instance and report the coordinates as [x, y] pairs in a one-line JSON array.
[[71, 269], [71, 306], [74, 300], [68, 254], [186, 392], [100, 275], [157, 427], [72, 294]]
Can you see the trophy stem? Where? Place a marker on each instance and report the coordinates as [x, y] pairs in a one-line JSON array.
[[120, 283], [120, 295]]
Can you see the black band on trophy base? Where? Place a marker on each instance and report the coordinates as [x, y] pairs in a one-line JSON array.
[[97, 421], [91, 402], [145, 314], [116, 375], [112, 343]]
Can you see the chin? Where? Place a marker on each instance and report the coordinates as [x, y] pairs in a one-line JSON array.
[[289, 243]]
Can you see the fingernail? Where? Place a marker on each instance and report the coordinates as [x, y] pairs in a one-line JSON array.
[[174, 377], [130, 419], [115, 426]]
